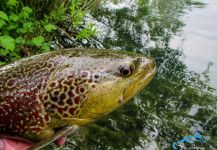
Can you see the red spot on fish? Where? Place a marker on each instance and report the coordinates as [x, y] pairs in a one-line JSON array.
[[77, 90], [70, 82], [77, 99], [71, 111], [60, 110], [46, 97], [36, 130], [47, 117], [82, 90]]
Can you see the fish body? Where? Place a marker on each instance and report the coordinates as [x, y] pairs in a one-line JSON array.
[[46, 92]]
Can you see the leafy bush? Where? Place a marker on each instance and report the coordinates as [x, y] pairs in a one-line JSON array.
[[23, 32]]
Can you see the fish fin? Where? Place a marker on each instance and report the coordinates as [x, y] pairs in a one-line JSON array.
[[62, 132], [77, 121]]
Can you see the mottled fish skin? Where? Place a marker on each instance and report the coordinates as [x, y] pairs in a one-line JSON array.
[[35, 90]]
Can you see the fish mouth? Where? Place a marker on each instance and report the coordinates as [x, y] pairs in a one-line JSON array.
[[149, 76], [140, 81]]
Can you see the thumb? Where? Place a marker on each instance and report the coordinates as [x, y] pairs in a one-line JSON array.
[[1, 144], [61, 141], [11, 144]]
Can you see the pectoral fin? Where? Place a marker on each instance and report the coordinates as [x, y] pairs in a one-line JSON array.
[[77, 121], [63, 131]]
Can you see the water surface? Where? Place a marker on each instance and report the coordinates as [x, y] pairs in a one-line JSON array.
[[181, 36]]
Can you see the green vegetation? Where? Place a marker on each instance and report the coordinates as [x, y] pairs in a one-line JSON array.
[[27, 29]]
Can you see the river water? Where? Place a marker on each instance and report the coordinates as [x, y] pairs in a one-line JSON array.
[[198, 39], [181, 35]]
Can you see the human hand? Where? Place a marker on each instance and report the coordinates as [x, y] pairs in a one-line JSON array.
[[19, 144]]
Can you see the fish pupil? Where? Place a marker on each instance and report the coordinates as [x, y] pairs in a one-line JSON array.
[[125, 70]]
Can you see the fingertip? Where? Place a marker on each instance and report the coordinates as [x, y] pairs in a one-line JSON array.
[[61, 141], [10, 144], [1, 144]]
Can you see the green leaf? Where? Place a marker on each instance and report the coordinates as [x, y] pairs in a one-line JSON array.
[[28, 26], [3, 15], [27, 10], [46, 47], [20, 40], [12, 26], [50, 27], [2, 23], [2, 63], [7, 42], [4, 52], [14, 56], [12, 2], [13, 17], [38, 41], [21, 30]]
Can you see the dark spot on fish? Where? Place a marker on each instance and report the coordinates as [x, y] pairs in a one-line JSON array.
[[56, 93], [55, 99], [53, 106], [84, 74], [52, 84], [82, 90], [45, 97], [62, 97], [10, 82], [70, 93], [77, 90], [65, 115], [71, 111], [77, 100], [61, 103], [60, 110], [96, 76], [69, 101]]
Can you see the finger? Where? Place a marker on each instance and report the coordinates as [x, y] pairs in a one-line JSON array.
[[61, 141], [10, 144]]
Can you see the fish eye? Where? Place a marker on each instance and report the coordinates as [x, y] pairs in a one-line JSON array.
[[126, 69]]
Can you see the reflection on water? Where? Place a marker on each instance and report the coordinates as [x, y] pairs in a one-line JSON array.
[[178, 102], [198, 39]]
